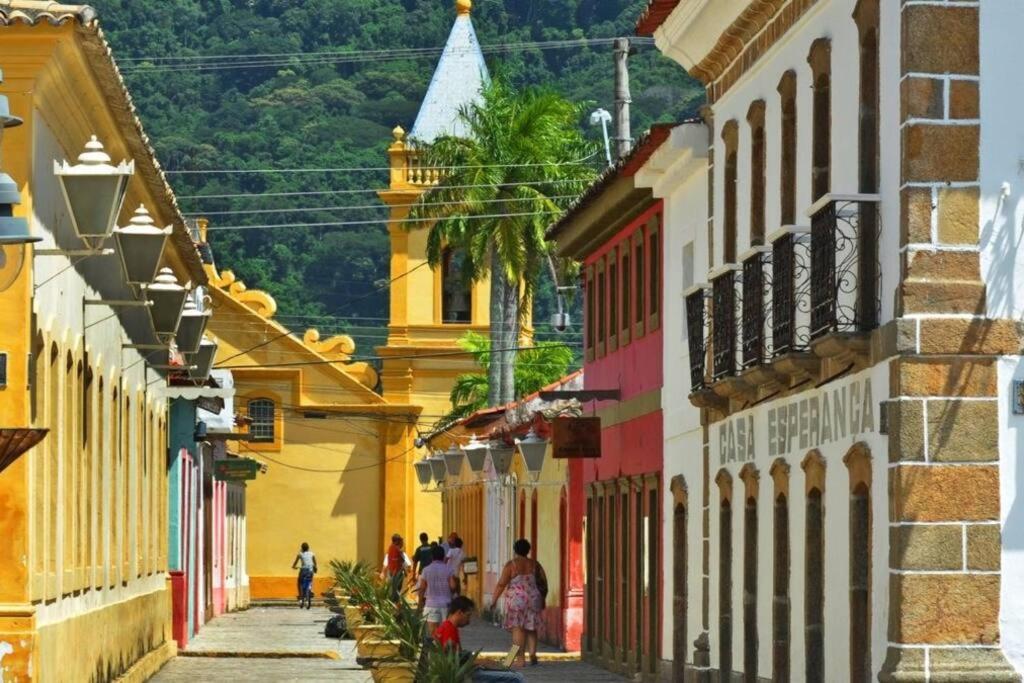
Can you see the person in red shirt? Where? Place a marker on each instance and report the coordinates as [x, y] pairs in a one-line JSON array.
[[460, 613]]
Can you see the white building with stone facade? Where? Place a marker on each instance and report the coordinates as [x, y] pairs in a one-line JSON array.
[[841, 312]]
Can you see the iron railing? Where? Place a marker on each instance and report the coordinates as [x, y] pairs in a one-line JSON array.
[[845, 269], [756, 286], [723, 325], [789, 286], [696, 330]]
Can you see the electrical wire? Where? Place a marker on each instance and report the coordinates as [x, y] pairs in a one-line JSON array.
[[342, 224], [251, 195], [361, 169], [363, 207], [364, 359], [260, 455]]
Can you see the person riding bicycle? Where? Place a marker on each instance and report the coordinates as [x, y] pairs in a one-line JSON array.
[[305, 561]]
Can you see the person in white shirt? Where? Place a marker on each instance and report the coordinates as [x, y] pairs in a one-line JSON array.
[[455, 557], [305, 562]]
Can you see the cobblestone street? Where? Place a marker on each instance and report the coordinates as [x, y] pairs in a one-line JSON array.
[[286, 644]]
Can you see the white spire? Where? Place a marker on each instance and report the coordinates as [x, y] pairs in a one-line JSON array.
[[458, 81]]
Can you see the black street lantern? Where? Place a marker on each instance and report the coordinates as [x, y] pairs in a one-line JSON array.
[[424, 472], [191, 328]]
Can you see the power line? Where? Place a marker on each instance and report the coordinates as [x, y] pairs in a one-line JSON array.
[[342, 224], [360, 169], [196, 63], [363, 207], [364, 359], [251, 195]]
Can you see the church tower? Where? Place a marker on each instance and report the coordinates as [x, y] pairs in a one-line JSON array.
[[430, 309]]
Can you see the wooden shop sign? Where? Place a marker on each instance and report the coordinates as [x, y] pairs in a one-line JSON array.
[[576, 437], [235, 469]]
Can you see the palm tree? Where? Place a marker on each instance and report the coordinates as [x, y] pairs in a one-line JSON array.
[[502, 186]]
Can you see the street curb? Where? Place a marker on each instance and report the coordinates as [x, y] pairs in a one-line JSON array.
[[279, 654], [541, 656]]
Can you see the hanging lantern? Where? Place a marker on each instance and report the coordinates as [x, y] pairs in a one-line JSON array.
[[501, 457], [203, 360], [94, 191], [533, 449], [424, 472], [476, 454], [141, 245], [191, 328], [437, 468], [168, 299], [453, 458]]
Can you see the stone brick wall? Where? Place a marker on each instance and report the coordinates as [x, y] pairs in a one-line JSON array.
[[944, 473]]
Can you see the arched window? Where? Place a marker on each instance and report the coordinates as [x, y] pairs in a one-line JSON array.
[[724, 481], [749, 476], [755, 117], [866, 16], [821, 141], [456, 289], [730, 136], [780, 573], [858, 462], [787, 141], [814, 569], [679, 569], [261, 412]]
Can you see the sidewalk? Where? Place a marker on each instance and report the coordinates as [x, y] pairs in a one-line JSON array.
[[287, 644]]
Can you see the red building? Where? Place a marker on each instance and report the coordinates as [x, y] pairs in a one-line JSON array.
[[615, 232]]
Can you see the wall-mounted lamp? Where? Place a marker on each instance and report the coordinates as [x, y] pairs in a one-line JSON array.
[[202, 361], [453, 458], [192, 326], [476, 455], [168, 299], [94, 190], [533, 449], [424, 472], [141, 245], [501, 457], [437, 468]]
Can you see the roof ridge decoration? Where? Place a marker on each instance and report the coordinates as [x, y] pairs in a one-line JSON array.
[[33, 12], [341, 347], [256, 300], [458, 81]]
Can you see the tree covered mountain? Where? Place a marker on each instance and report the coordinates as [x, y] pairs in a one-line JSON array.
[[294, 112]]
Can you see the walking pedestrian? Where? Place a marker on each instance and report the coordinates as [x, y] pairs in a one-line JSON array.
[[396, 563], [455, 557], [305, 561], [437, 585], [526, 585], [423, 555]]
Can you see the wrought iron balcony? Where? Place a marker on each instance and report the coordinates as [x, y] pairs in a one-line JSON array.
[[724, 322], [756, 315], [789, 286], [845, 269], [696, 331]]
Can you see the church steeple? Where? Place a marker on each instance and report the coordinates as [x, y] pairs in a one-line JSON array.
[[458, 80]]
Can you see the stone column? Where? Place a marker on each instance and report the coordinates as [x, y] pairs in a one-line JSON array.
[[944, 576]]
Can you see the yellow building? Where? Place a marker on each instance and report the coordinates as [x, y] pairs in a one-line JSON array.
[[328, 439], [83, 515]]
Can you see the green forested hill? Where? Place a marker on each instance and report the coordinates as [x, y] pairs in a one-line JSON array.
[[330, 115]]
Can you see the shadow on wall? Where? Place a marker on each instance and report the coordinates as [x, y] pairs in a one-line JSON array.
[[1003, 244], [1013, 525]]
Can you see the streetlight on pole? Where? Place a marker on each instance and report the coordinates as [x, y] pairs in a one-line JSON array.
[[603, 117]]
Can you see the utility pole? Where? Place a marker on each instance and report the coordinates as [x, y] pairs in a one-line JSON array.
[[623, 136]]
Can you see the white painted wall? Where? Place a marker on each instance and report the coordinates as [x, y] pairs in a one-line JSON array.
[[1011, 498], [677, 173], [57, 303], [1002, 157], [836, 503]]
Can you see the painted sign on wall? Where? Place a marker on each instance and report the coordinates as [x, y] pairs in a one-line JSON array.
[[834, 413], [235, 469]]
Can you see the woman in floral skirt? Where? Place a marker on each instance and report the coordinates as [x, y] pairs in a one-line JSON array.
[[525, 587]]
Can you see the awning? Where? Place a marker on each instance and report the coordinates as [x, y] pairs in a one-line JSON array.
[[16, 440]]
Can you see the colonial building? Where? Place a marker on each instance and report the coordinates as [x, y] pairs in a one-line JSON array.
[[615, 231], [84, 591], [499, 483], [852, 342]]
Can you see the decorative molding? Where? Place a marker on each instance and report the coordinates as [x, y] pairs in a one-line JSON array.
[[255, 300]]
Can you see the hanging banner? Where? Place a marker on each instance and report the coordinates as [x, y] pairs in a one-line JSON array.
[[576, 437], [235, 469]]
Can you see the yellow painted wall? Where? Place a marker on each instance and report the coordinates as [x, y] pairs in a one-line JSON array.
[[82, 515]]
